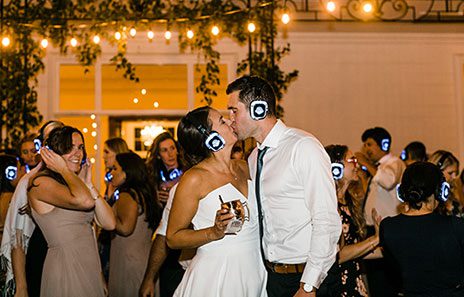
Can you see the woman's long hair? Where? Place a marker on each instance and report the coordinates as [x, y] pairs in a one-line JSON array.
[[154, 163], [137, 180], [117, 145], [191, 139], [337, 153], [5, 162]]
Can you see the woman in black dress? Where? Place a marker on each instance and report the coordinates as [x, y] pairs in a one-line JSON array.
[[426, 247]]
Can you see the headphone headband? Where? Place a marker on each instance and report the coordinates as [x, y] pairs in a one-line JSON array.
[[442, 159]]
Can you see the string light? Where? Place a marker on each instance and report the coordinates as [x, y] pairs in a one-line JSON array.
[[44, 43], [285, 18], [117, 35], [331, 6], [155, 104], [136, 100], [143, 91], [132, 32], [6, 41], [251, 27], [73, 42], [85, 130], [190, 34], [215, 30], [150, 35], [92, 160], [367, 7], [167, 35], [94, 133], [92, 116], [94, 125], [95, 147], [96, 39]]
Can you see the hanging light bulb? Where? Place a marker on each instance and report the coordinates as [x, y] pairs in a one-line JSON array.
[[96, 39], [44, 43], [6, 41], [215, 30], [132, 32], [136, 100], [143, 91], [251, 27], [92, 116], [150, 35], [73, 42], [117, 35], [331, 6], [167, 35], [367, 7], [285, 18], [190, 34], [155, 104]]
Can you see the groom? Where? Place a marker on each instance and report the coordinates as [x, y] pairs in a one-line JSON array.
[[297, 204]]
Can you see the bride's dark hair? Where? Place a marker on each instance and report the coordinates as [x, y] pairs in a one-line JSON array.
[[190, 137]]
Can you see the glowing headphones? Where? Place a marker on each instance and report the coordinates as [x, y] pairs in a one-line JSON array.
[[213, 141], [11, 172], [37, 145], [442, 192], [108, 176], [258, 109], [171, 174], [385, 145], [337, 170], [404, 155]]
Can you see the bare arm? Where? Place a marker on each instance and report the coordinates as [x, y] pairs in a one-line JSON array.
[[158, 253], [353, 251], [126, 212], [184, 208], [18, 261]]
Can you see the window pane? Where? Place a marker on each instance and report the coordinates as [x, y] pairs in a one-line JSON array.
[[77, 89], [164, 84]]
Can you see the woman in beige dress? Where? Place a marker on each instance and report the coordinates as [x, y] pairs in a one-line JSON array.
[[64, 204], [137, 216]]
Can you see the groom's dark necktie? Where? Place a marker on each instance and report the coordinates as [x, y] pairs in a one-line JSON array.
[[259, 168]]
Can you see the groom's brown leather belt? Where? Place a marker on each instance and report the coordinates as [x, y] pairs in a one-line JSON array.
[[285, 268]]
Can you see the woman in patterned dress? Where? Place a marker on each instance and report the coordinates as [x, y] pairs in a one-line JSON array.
[[353, 245]]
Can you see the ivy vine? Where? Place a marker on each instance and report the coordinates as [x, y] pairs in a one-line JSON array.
[[59, 21]]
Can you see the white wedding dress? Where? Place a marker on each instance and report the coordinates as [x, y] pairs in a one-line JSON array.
[[229, 267]]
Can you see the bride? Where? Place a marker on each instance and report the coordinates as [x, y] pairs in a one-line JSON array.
[[225, 264]]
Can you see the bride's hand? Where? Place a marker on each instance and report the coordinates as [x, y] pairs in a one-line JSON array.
[[223, 217], [53, 161]]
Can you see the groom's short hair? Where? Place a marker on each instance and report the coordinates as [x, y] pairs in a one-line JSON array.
[[252, 88]]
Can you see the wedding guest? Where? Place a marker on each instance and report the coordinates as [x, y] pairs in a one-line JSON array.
[[425, 246], [137, 216], [413, 152], [64, 205], [28, 152], [23, 247]]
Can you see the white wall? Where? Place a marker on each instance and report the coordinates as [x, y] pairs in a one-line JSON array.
[[410, 83]]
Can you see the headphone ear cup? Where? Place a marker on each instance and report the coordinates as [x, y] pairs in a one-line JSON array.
[[258, 109], [403, 155], [443, 192], [399, 193], [337, 170], [214, 141], [11, 172], [385, 144]]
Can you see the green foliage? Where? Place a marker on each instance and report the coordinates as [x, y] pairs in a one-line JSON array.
[[59, 21]]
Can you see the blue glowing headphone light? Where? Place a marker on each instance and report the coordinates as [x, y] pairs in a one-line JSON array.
[[398, 193], [11, 172], [385, 144], [445, 192], [404, 155], [337, 170]]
